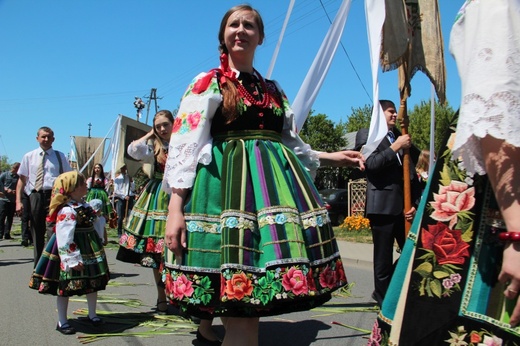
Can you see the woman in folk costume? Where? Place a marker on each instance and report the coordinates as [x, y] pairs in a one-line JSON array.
[[458, 278], [96, 185], [247, 233], [74, 260], [142, 239]]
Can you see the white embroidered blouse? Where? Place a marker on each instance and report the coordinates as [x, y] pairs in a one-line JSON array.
[[66, 223], [191, 141], [485, 42]]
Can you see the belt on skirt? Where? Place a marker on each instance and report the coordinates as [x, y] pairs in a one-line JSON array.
[[248, 134]]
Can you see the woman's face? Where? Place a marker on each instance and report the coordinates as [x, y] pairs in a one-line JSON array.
[[163, 127], [97, 169], [242, 34]]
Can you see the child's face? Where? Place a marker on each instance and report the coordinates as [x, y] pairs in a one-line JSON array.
[[80, 191]]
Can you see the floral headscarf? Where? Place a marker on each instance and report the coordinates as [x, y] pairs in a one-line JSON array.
[[64, 184]]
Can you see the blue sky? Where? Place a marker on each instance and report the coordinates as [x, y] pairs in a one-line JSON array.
[[65, 64]]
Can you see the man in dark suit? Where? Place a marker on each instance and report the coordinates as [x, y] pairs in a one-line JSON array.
[[384, 205]]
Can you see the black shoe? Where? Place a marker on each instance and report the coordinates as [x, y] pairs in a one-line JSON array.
[[96, 321], [66, 329], [25, 243], [162, 311], [205, 341], [8, 236]]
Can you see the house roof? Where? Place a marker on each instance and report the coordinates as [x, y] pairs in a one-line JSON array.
[[351, 140]]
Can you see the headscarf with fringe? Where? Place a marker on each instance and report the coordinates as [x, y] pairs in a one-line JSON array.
[[63, 186]]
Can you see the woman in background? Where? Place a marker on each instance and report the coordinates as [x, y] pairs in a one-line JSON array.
[[97, 185], [142, 239]]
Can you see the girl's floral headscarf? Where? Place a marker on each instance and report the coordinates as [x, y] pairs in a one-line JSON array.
[[64, 184]]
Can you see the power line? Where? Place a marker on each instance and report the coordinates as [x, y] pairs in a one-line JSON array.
[[348, 57]]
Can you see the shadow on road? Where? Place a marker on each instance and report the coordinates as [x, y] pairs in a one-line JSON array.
[[300, 333], [9, 262]]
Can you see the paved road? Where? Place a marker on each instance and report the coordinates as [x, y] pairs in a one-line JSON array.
[[29, 318]]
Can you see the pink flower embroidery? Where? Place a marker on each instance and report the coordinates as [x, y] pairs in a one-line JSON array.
[[193, 120], [294, 280], [375, 337], [447, 283], [451, 200], [159, 247], [182, 287], [492, 340], [123, 239]]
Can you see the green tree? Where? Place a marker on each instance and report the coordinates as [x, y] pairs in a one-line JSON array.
[[323, 135], [359, 119], [4, 163], [419, 127], [420, 124]]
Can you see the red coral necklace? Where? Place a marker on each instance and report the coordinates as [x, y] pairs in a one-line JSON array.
[[263, 87]]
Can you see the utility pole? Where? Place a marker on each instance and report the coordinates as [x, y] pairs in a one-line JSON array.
[[89, 127], [153, 96]]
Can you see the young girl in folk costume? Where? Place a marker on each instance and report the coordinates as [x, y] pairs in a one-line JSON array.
[[74, 261], [254, 239], [96, 185], [423, 167], [142, 239]]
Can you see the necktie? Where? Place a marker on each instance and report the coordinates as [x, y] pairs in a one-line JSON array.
[[391, 136], [39, 174]]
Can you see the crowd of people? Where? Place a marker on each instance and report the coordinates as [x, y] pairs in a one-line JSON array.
[[233, 227]]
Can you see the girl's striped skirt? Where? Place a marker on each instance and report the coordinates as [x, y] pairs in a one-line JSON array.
[[143, 236], [48, 278]]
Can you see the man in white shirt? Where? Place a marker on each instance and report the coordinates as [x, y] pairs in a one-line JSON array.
[[38, 170], [124, 197]]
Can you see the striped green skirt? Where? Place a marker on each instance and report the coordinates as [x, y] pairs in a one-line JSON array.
[[48, 278], [143, 235], [259, 240]]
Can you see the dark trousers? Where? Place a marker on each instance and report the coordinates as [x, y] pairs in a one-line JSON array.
[[26, 218], [385, 230], [7, 210], [40, 202], [123, 208]]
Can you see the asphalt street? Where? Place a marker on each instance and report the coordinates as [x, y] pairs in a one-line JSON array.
[[29, 318]]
